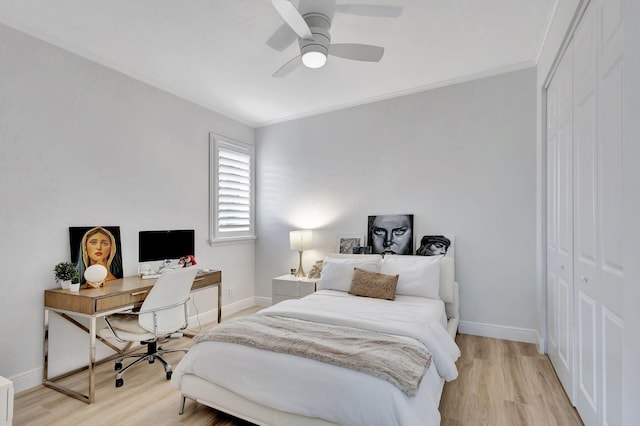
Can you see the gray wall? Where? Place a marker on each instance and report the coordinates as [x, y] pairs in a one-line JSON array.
[[83, 145], [461, 158]]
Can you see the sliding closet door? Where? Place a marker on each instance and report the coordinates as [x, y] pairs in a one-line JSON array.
[[584, 250], [560, 304], [598, 215]]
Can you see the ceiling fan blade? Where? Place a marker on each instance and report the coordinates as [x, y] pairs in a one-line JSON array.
[[282, 38], [288, 67], [379, 11], [357, 52], [292, 17]]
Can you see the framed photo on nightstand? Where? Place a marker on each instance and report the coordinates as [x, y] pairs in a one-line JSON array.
[[346, 243]]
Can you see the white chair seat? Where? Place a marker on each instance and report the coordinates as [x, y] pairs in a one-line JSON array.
[[128, 329], [163, 313], [127, 322]]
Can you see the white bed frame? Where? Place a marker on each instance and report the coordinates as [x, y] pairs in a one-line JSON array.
[[219, 398]]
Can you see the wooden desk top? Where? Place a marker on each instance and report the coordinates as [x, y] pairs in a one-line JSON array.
[[115, 293]]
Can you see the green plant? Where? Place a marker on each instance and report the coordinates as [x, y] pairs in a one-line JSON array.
[[66, 271]]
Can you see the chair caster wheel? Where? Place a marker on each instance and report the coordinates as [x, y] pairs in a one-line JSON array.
[[169, 373], [118, 366], [119, 383]]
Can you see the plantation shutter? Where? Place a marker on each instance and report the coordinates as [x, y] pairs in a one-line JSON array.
[[234, 191], [232, 186]]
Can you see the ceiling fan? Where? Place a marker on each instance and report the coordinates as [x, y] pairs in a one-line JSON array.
[[311, 22]]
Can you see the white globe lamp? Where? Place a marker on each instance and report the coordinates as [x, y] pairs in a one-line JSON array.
[[95, 275]]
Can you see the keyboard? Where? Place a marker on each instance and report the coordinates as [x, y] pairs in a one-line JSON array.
[[150, 276]]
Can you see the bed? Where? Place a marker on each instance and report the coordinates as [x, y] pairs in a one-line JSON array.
[[268, 387]]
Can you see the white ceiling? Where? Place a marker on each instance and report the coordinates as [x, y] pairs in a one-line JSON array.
[[214, 52]]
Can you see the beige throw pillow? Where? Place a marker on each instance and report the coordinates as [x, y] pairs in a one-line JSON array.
[[373, 284]]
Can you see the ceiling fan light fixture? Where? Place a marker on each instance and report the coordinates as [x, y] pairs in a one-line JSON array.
[[314, 59], [314, 39]]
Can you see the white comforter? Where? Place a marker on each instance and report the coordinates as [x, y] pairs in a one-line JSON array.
[[315, 389]]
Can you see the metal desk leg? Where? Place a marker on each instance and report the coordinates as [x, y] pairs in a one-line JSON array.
[[50, 382], [45, 347], [92, 359], [219, 302]]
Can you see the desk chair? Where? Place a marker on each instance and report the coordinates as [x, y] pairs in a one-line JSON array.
[[163, 313]]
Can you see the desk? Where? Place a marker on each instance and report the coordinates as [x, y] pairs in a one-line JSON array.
[[92, 303]]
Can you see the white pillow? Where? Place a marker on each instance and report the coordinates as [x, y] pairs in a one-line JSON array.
[[419, 275], [337, 273], [447, 277]]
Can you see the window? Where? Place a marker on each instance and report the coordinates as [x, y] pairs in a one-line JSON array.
[[232, 186]]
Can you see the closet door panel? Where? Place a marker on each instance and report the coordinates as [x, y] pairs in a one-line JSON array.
[[610, 156], [552, 223], [612, 368], [598, 267], [552, 174], [584, 251], [565, 191], [587, 358], [564, 159], [607, 288], [610, 75], [610, 68], [586, 217], [610, 272], [552, 312], [564, 304], [560, 312], [585, 143], [585, 239], [564, 169]]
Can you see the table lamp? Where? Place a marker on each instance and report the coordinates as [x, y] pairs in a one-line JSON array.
[[95, 275], [300, 241]]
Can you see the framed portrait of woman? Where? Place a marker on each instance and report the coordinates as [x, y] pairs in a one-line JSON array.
[[96, 245]]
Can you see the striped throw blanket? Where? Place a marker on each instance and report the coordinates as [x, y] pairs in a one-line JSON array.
[[400, 361]]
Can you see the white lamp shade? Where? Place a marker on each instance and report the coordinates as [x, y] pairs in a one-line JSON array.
[[300, 240], [95, 273]]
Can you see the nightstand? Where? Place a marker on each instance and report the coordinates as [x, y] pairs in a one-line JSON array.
[[290, 287]]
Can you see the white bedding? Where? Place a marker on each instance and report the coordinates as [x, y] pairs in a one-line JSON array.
[[315, 389]]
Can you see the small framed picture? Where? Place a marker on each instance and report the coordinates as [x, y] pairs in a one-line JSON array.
[[434, 245], [346, 243]]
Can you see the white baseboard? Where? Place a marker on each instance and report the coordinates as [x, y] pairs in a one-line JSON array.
[[33, 378], [542, 343], [27, 380], [263, 301], [238, 306], [499, 332]]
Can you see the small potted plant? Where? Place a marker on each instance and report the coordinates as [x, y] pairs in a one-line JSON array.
[[66, 273]]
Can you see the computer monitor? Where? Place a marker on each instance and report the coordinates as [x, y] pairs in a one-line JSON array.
[[165, 245]]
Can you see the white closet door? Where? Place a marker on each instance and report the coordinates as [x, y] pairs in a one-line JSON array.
[[598, 207], [560, 290]]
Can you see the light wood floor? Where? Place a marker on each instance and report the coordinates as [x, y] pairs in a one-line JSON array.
[[500, 383], [504, 383]]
